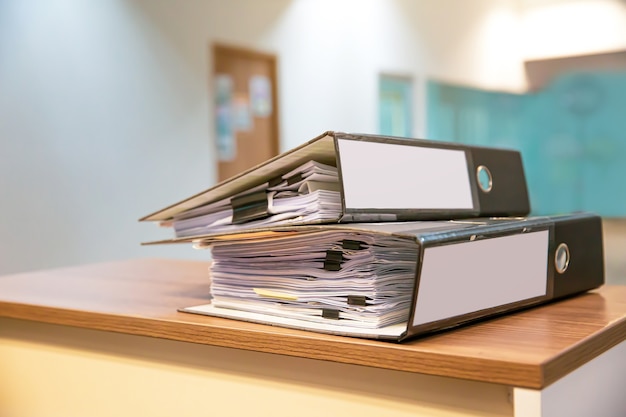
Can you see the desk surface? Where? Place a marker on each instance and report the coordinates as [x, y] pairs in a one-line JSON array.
[[532, 348]]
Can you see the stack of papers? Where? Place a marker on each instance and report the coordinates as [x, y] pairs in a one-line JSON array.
[[363, 280], [309, 193]]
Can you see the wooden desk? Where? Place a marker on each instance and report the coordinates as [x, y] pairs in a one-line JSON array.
[[111, 332]]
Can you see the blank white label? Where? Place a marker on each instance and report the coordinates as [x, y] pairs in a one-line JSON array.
[[391, 176], [466, 277]]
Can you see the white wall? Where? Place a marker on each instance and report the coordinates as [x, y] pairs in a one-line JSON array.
[[102, 120], [555, 28], [105, 105], [333, 51]]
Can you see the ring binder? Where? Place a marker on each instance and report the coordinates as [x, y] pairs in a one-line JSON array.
[[462, 271], [363, 178]]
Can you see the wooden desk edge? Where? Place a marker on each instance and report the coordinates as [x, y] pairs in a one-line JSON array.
[[346, 350], [444, 355], [583, 352]]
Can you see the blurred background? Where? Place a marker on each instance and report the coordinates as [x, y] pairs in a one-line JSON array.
[[113, 109]]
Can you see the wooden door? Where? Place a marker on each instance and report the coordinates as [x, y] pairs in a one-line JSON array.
[[246, 108]]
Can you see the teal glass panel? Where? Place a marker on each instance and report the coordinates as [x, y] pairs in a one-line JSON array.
[[572, 136], [575, 135], [472, 116], [395, 106]]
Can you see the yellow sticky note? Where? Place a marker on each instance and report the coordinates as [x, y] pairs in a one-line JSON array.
[[264, 292]]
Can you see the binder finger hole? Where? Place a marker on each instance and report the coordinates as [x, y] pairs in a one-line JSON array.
[[484, 179], [561, 258]]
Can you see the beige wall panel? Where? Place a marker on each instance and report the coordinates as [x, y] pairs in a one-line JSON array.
[[49, 370]]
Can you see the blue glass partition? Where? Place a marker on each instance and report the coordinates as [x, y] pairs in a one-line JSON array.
[[395, 106], [572, 136]]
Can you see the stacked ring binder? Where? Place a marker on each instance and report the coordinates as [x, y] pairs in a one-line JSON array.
[[384, 238]]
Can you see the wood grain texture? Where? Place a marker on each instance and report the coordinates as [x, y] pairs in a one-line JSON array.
[[531, 349]]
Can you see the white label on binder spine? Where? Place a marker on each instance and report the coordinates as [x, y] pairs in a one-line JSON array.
[[403, 177], [464, 278]]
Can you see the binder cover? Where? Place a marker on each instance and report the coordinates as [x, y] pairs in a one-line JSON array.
[[384, 179], [465, 270]]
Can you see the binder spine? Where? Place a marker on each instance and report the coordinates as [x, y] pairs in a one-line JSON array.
[[497, 270], [430, 193], [572, 263], [508, 193], [580, 240]]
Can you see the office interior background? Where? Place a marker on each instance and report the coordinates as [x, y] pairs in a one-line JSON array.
[[107, 107]]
